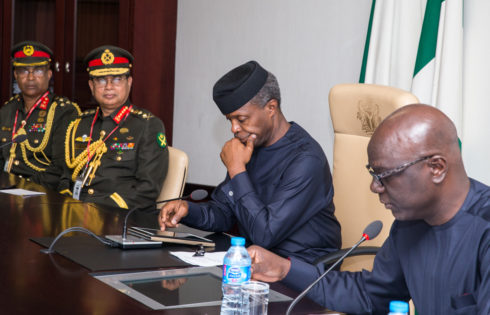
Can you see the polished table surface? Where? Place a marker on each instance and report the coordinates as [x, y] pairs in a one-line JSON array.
[[35, 283]]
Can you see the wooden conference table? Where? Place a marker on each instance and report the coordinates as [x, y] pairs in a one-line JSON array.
[[32, 282]]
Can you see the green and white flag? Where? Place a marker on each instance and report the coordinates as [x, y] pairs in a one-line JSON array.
[[438, 74], [417, 45], [392, 41]]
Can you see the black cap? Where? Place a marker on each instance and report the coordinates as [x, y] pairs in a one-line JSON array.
[[239, 86], [30, 53], [108, 60]]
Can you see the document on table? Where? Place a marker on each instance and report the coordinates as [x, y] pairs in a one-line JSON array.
[[209, 259], [22, 192]]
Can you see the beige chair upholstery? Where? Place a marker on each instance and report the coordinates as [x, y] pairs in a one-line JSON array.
[[356, 110], [173, 185]]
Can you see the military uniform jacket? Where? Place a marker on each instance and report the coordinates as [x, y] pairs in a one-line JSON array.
[[133, 166], [33, 157]]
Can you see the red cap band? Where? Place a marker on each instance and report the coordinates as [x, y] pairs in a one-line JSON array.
[[37, 53], [98, 62]]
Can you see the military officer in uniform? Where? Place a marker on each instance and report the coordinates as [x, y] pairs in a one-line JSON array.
[[35, 113], [115, 155]]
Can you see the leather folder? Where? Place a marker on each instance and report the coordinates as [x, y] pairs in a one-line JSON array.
[[170, 236]]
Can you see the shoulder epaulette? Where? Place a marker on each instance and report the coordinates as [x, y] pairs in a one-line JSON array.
[[16, 97], [141, 113], [62, 101], [88, 112]]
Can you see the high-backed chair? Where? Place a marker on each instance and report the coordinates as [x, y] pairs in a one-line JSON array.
[[173, 185], [356, 110]]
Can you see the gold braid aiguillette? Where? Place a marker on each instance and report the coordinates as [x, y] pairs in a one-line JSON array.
[[21, 131], [26, 145], [77, 163]]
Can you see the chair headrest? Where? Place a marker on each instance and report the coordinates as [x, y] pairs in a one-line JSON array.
[[359, 108]]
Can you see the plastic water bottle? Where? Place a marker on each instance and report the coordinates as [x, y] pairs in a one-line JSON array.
[[236, 270], [398, 308]]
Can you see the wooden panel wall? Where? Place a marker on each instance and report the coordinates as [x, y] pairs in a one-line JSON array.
[[154, 34], [5, 44]]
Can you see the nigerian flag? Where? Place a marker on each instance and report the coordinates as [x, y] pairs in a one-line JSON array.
[[417, 45], [392, 41], [438, 74]]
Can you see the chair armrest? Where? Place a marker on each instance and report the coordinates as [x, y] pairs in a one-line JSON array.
[[329, 259]]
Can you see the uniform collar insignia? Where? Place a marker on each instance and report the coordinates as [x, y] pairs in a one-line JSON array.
[[44, 103], [121, 114]]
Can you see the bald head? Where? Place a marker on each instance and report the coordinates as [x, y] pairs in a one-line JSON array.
[[418, 144], [416, 130]]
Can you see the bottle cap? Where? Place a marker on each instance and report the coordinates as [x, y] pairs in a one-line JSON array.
[[398, 307], [237, 241]]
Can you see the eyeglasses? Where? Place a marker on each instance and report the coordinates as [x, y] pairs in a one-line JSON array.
[[36, 71], [114, 80], [393, 171]]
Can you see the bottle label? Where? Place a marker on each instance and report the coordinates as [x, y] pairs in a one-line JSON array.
[[235, 274]]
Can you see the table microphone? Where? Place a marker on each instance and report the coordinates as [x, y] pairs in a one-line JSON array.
[[126, 242], [370, 232], [117, 240], [18, 139]]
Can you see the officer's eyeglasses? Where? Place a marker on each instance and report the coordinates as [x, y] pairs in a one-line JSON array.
[[36, 71], [379, 176], [116, 80]]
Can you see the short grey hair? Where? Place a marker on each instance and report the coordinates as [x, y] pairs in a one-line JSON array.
[[269, 91]]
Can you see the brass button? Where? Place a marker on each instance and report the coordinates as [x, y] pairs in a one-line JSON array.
[[3, 139], [119, 158], [145, 116], [16, 162], [90, 191], [36, 141]]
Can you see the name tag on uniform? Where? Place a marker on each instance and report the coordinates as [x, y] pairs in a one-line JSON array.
[[77, 188]]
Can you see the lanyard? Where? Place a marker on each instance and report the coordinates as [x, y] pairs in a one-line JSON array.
[[28, 114], [89, 157]]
